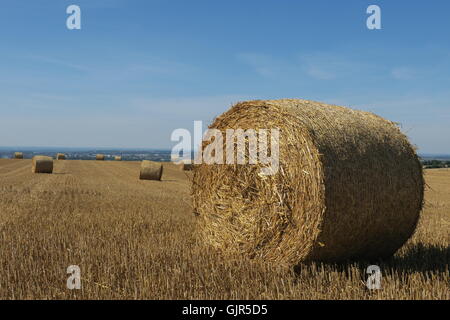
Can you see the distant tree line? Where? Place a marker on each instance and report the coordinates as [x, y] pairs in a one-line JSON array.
[[434, 164]]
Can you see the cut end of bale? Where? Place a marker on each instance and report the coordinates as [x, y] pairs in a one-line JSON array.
[[150, 170], [42, 164], [349, 186]]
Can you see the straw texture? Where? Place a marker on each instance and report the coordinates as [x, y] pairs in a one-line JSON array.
[[349, 186], [42, 164], [150, 170]]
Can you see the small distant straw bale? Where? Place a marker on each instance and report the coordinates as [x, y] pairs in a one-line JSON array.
[[100, 157], [42, 164], [18, 155], [150, 170], [60, 156]]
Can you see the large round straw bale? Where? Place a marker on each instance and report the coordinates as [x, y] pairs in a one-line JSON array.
[[117, 158], [150, 170], [42, 164], [349, 186], [60, 156], [100, 157], [18, 155]]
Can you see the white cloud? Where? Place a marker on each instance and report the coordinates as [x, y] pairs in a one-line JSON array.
[[157, 65], [319, 66], [402, 73], [322, 66], [263, 64], [320, 73], [59, 62]]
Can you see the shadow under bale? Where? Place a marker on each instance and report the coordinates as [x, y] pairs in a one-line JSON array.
[[425, 259]]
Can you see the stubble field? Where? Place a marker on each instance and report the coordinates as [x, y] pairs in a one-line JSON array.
[[136, 239]]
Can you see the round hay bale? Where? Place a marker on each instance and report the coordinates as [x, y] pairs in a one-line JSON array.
[[60, 156], [100, 157], [18, 155], [349, 186], [150, 170], [42, 164], [118, 158]]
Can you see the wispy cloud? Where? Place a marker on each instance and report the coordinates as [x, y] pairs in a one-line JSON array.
[[58, 62], [320, 73], [318, 66], [191, 108], [403, 73], [325, 66], [262, 64], [50, 97], [160, 66]]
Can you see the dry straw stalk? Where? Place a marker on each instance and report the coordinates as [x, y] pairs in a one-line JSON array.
[[150, 170], [42, 164], [349, 186]]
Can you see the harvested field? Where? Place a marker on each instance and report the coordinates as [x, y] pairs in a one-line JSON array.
[[135, 239]]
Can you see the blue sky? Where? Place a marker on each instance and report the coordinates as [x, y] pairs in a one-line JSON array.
[[137, 70]]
